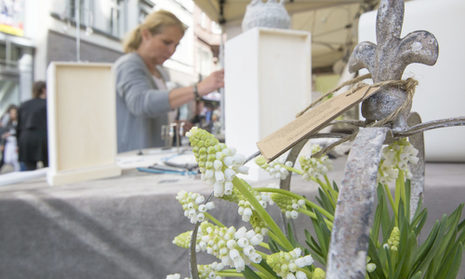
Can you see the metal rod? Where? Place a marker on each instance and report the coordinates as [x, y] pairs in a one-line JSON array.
[[77, 13]]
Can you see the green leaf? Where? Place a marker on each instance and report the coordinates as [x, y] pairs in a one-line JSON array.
[[268, 268], [291, 235], [407, 198], [462, 224], [325, 201], [374, 233], [322, 232], [455, 266], [418, 221], [249, 273], [447, 238], [387, 222], [461, 237], [390, 265], [417, 275], [448, 266], [373, 254], [423, 255], [274, 247]]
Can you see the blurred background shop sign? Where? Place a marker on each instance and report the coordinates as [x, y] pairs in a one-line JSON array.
[[12, 17]]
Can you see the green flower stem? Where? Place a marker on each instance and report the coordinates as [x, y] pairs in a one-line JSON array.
[[391, 200], [307, 272], [292, 169], [231, 273], [262, 270], [335, 193], [213, 219], [299, 197], [313, 216], [308, 213], [397, 196], [264, 245], [328, 190], [327, 181], [275, 238], [261, 254], [400, 183], [242, 187]]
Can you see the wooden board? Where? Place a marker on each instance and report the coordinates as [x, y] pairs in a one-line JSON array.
[[311, 122], [81, 122]]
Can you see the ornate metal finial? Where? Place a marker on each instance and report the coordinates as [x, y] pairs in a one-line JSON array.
[[271, 14], [388, 60]]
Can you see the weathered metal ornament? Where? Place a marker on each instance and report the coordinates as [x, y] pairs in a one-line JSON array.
[[388, 59], [355, 206]]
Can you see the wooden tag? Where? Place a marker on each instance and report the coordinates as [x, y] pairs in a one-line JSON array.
[[310, 122]]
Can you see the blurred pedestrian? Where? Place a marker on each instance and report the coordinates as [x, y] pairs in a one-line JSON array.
[[8, 139], [32, 128]]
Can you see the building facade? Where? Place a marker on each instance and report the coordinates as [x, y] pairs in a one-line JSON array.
[[35, 33]]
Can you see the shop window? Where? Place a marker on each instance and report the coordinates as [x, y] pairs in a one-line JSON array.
[[116, 19], [2, 52], [86, 8], [145, 8]]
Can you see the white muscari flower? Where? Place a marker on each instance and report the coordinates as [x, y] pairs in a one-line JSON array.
[[217, 163], [191, 204], [209, 271], [300, 275], [289, 264], [289, 206], [396, 157], [314, 167], [371, 267], [210, 205], [233, 247], [276, 168], [183, 240]]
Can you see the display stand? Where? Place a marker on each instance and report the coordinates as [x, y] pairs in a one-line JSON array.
[[267, 81], [81, 122]]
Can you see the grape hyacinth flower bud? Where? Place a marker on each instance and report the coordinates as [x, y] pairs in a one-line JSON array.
[[233, 247], [276, 168], [217, 163], [289, 206], [289, 264], [396, 157], [193, 207], [314, 167]]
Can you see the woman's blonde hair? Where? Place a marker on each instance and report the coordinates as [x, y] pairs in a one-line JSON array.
[[154, 22]]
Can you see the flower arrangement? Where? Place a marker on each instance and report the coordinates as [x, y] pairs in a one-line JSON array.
[[262, 250]]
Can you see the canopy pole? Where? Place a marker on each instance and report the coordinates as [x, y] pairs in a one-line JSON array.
[[222, 91]]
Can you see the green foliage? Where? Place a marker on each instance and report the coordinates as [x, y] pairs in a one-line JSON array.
[[250, 274], [394, 250], [439, 256]]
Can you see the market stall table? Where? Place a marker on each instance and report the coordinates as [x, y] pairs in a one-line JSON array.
[[123, 227]]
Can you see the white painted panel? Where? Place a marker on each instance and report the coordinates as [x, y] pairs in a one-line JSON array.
[[267, 82]]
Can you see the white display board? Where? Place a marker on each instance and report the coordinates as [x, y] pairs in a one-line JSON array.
[[441, 90], [81, 114], [267, 82]]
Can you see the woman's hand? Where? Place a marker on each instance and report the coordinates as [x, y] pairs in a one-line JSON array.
[[211, 83]]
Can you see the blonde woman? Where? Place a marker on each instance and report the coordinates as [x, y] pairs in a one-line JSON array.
[[143, 99]]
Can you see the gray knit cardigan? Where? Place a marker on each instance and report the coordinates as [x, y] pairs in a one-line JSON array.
[[141, 108]]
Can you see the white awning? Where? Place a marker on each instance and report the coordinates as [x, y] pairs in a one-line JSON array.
[[332, 23]]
